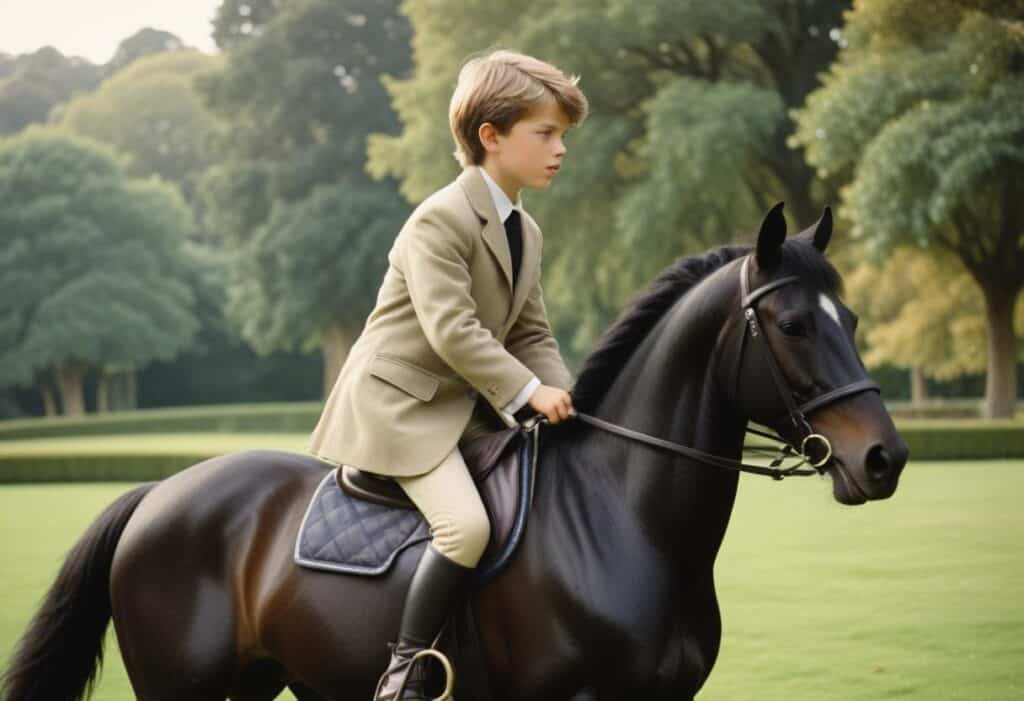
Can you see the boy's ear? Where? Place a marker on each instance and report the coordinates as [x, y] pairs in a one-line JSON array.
[[488, 135]]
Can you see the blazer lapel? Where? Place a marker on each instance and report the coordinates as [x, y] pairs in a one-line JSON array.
[[497, 242], [494, 232], [527, 269]]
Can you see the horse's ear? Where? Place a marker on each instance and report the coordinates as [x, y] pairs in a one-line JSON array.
[[770, 238], [823, 230]]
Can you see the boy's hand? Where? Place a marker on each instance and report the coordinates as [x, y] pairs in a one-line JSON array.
[[553, 402]]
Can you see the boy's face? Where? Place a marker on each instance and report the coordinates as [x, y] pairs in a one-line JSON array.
[[532, 151]]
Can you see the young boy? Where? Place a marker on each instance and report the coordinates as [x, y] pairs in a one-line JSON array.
[[459, 332]]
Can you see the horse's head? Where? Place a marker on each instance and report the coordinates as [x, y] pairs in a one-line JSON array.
[[795, 367]]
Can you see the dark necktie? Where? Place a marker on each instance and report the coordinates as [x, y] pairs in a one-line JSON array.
[[514, 233]]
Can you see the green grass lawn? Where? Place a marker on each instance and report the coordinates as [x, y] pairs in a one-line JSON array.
[[917, 597]]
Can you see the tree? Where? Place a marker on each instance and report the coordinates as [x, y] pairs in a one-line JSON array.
[[35, 83], [685, 145], [151, 112], [239, 20], [921, 116], [91, 264], [308, 228], [145, 42]]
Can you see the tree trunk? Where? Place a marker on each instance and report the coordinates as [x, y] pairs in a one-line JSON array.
[[336, 341], [49, 399], [131, 380], [70, 378], [123, 391], [918, 388], [103, 393], [1001, 378]]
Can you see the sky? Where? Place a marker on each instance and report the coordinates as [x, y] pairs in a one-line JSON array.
[[93, 28]]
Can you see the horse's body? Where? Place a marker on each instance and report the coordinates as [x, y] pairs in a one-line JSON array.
[[610, 596]]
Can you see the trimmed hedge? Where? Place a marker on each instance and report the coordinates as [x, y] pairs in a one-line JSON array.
[[928, 439], [128, 458], [963, 440], [93, 468], [936, 409], [283, 417]]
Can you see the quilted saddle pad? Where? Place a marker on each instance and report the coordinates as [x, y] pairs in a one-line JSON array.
[[346, 534]]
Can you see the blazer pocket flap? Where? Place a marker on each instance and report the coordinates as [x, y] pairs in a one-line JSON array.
[[405, 376]]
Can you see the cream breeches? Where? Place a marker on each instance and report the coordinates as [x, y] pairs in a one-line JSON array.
[[449, 500]]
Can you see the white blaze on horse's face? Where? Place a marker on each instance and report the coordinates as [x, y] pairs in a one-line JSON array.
[[829, 307]]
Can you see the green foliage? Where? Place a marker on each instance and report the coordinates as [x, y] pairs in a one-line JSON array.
[[145, 42], [151, 112], [922, 123], [94, 262], [36, 83], [725, 123], [920, 117], [290, 198], [685, 144], [297, 274], [920, 310], [239, 20]]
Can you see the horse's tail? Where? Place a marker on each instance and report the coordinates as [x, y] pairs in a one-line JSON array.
[[60, 654]]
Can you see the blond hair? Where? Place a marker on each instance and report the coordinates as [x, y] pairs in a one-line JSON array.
[[501, 87]]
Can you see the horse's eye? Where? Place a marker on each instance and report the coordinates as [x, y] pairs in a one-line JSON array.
[[793, 328]]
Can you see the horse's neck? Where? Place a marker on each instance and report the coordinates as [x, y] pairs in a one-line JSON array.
[[668, 389]]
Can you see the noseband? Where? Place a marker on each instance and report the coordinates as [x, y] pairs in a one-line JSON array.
[[796, 412]]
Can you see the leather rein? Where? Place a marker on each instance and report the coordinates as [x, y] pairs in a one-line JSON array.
[[796, 412]]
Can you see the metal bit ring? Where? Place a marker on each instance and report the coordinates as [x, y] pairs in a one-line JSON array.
[[824, 441]]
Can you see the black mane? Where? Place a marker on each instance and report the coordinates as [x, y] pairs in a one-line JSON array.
[[615, 346]]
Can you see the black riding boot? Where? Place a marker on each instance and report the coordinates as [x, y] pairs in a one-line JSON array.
[[426, 604]]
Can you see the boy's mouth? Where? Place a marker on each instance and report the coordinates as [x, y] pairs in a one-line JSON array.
[[552, 169]]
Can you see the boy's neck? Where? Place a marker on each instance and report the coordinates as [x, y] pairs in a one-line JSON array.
[[502, 182]]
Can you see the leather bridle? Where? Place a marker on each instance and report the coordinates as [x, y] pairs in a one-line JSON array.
[[796, 412]]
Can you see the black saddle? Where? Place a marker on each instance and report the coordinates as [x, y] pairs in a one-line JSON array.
[[357, 522], [482, 457]]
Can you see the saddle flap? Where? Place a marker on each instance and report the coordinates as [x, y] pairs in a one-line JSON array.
[[502, 466], [483, 454]]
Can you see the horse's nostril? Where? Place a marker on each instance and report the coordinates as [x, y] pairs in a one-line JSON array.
[[877, 462]]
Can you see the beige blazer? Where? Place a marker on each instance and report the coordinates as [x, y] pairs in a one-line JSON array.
[[445, 331]]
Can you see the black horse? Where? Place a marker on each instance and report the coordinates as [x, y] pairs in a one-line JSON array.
[[611, 594]]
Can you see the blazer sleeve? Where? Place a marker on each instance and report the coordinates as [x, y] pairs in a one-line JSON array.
[[433, 256], [530, 339]]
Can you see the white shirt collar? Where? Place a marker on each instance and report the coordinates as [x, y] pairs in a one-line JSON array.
[[501, 201]]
